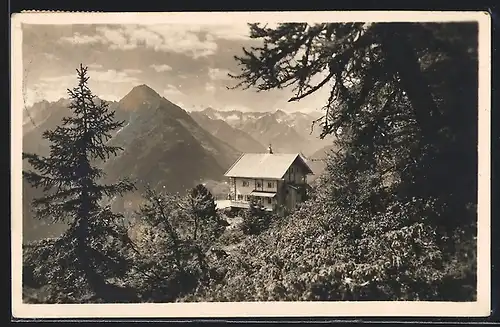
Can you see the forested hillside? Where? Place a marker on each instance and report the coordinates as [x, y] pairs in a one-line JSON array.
[[392, 217]]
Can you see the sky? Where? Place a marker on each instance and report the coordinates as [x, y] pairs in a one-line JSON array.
[[187, 64]]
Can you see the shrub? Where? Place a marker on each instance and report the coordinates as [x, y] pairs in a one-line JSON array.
[[255, 220], [232, 236], [325, 255], [172, 238], [229, 212]]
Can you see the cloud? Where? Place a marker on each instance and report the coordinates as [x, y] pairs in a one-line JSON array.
[[239, 31], [109, 97], [101, 82], [58, 79], [108, 76], [218, 73], [161, 68], [116, 39], [171, 90], [195, 107], [78, 38], [237, 107], [113, 76], [50, 56], [175, 38], [39, 92], [209, 87], [94, 66], [162, 38], [132, 71]]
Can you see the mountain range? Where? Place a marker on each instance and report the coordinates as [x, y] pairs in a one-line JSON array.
[[167, 147], [285, 132], [235, 137]]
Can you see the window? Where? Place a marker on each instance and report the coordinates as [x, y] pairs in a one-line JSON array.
[[269, 200], [240, 196], [291, 169], [258, 184], [245, 183], [270, 185]]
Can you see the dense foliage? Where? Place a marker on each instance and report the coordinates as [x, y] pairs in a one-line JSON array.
[[394, 215], [255, 220], [402, 96], [173, 238], [324, 253], [392, 218]]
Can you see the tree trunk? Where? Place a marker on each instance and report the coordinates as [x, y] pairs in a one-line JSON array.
[[403, 61], [405, 64]]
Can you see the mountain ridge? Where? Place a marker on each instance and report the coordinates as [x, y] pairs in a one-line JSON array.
[[168, 148], [285, 131], [237, 138], [163, 146], [159, 127]]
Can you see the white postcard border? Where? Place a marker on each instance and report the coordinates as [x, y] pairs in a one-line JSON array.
[[255, 309]]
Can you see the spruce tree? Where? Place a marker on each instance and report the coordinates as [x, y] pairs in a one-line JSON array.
[[91, 250], [207, 224]]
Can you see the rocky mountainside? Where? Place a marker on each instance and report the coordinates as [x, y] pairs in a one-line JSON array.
[[287, 132], [163, 145], [168, 148], [235, 118], [237, 138], [317, 161], [43, 116]]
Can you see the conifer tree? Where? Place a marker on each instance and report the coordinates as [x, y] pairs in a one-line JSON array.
[[173, 237], [90, 251], [207, 225], [404, 96], [395, 211]]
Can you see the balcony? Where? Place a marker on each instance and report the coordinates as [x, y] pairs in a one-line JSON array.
[[222, 204], [239, 204]]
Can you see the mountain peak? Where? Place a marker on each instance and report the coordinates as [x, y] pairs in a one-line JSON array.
[[138, 96], [209, 110], [145, 91]]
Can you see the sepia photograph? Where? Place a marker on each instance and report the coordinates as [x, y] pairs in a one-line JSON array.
[[274, 162]]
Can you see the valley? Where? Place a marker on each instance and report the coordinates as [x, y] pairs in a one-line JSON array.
[[168, 148]]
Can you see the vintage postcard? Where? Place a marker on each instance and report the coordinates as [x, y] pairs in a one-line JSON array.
[[250, 164]]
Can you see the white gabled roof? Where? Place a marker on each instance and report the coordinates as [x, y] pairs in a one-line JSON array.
[[265, 165]]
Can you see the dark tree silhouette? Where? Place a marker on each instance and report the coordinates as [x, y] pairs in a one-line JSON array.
[[393, 217], [174, 235], [90, 251], [207, 224], [162, 258], [403, 95]]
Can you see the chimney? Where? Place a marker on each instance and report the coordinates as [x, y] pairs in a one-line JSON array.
[[270, 149]]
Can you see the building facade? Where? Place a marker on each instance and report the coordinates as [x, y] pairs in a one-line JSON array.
[[273, 181]]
